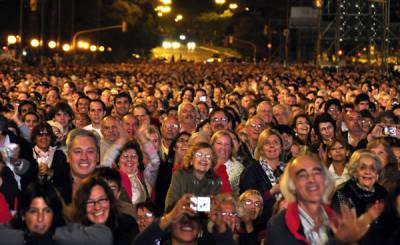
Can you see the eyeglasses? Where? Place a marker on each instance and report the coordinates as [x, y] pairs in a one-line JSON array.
[[129, 157], [255, 125], [216, 119], [366, 122], [171, 126], [231, 214], [364, 167], [203, 155], [44, 133], [248, 202], [92, 203], [145, 216]]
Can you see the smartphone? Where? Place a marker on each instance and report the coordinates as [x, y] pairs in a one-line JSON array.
[[200, 204], [391, 131], [203, 98]]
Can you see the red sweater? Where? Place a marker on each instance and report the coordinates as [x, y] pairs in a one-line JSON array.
[[223, 175], [5, 214]]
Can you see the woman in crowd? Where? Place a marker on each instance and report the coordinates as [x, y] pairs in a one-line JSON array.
[[302, 127], [363, 189], [52, 163], [263, 174], [390, 175], [197, 175], [338, 153], [325, 129], [250, 208], [227, 168], [39, 214], [137, 179], [150, 133], [94, 203], [176, 153]]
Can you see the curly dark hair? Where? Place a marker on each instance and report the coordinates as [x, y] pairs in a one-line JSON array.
[[43, 126]]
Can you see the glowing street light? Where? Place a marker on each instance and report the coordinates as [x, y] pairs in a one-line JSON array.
[[176, 45], [182, 37], [11, 39], [52, 44], [83, 45], [93, 48], [220, 2], [101, 49], [233, 6], [167, 44], [35, 43], [163, 9], [66, 47], [178, 18], [166, 2], [191, 45]]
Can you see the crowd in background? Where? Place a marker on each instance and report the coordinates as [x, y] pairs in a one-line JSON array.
[[124, 154]]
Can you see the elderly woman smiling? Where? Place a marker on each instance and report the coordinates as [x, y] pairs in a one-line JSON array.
[[197, 175], [362, 190]]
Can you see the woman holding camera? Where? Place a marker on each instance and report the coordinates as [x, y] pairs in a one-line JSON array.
[[197, 175]]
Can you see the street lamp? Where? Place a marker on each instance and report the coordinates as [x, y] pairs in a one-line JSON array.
[[178, 18], [101, 48], [166, 2], [176, 45], [182, 37], [167, 44], [35, 43], [220, 2], [191, 45], [233, 6], [93, 48], [11, 39], [66, 47], [52, 44]]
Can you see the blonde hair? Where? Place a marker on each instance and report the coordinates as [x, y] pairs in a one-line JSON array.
[[219, 134], [263, 138]]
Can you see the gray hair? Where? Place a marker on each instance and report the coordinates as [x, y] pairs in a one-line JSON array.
[[355, 161], [288, 187], [78, 132]]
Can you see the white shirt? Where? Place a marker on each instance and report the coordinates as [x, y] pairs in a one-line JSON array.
[[90, 128], [339, 179]]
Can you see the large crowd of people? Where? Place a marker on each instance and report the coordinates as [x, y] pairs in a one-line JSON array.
[[185, 153]]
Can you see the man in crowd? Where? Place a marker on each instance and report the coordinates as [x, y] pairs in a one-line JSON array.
[[306, 184], [169, 130], [97, 110], [187, 117], [122, 103]]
